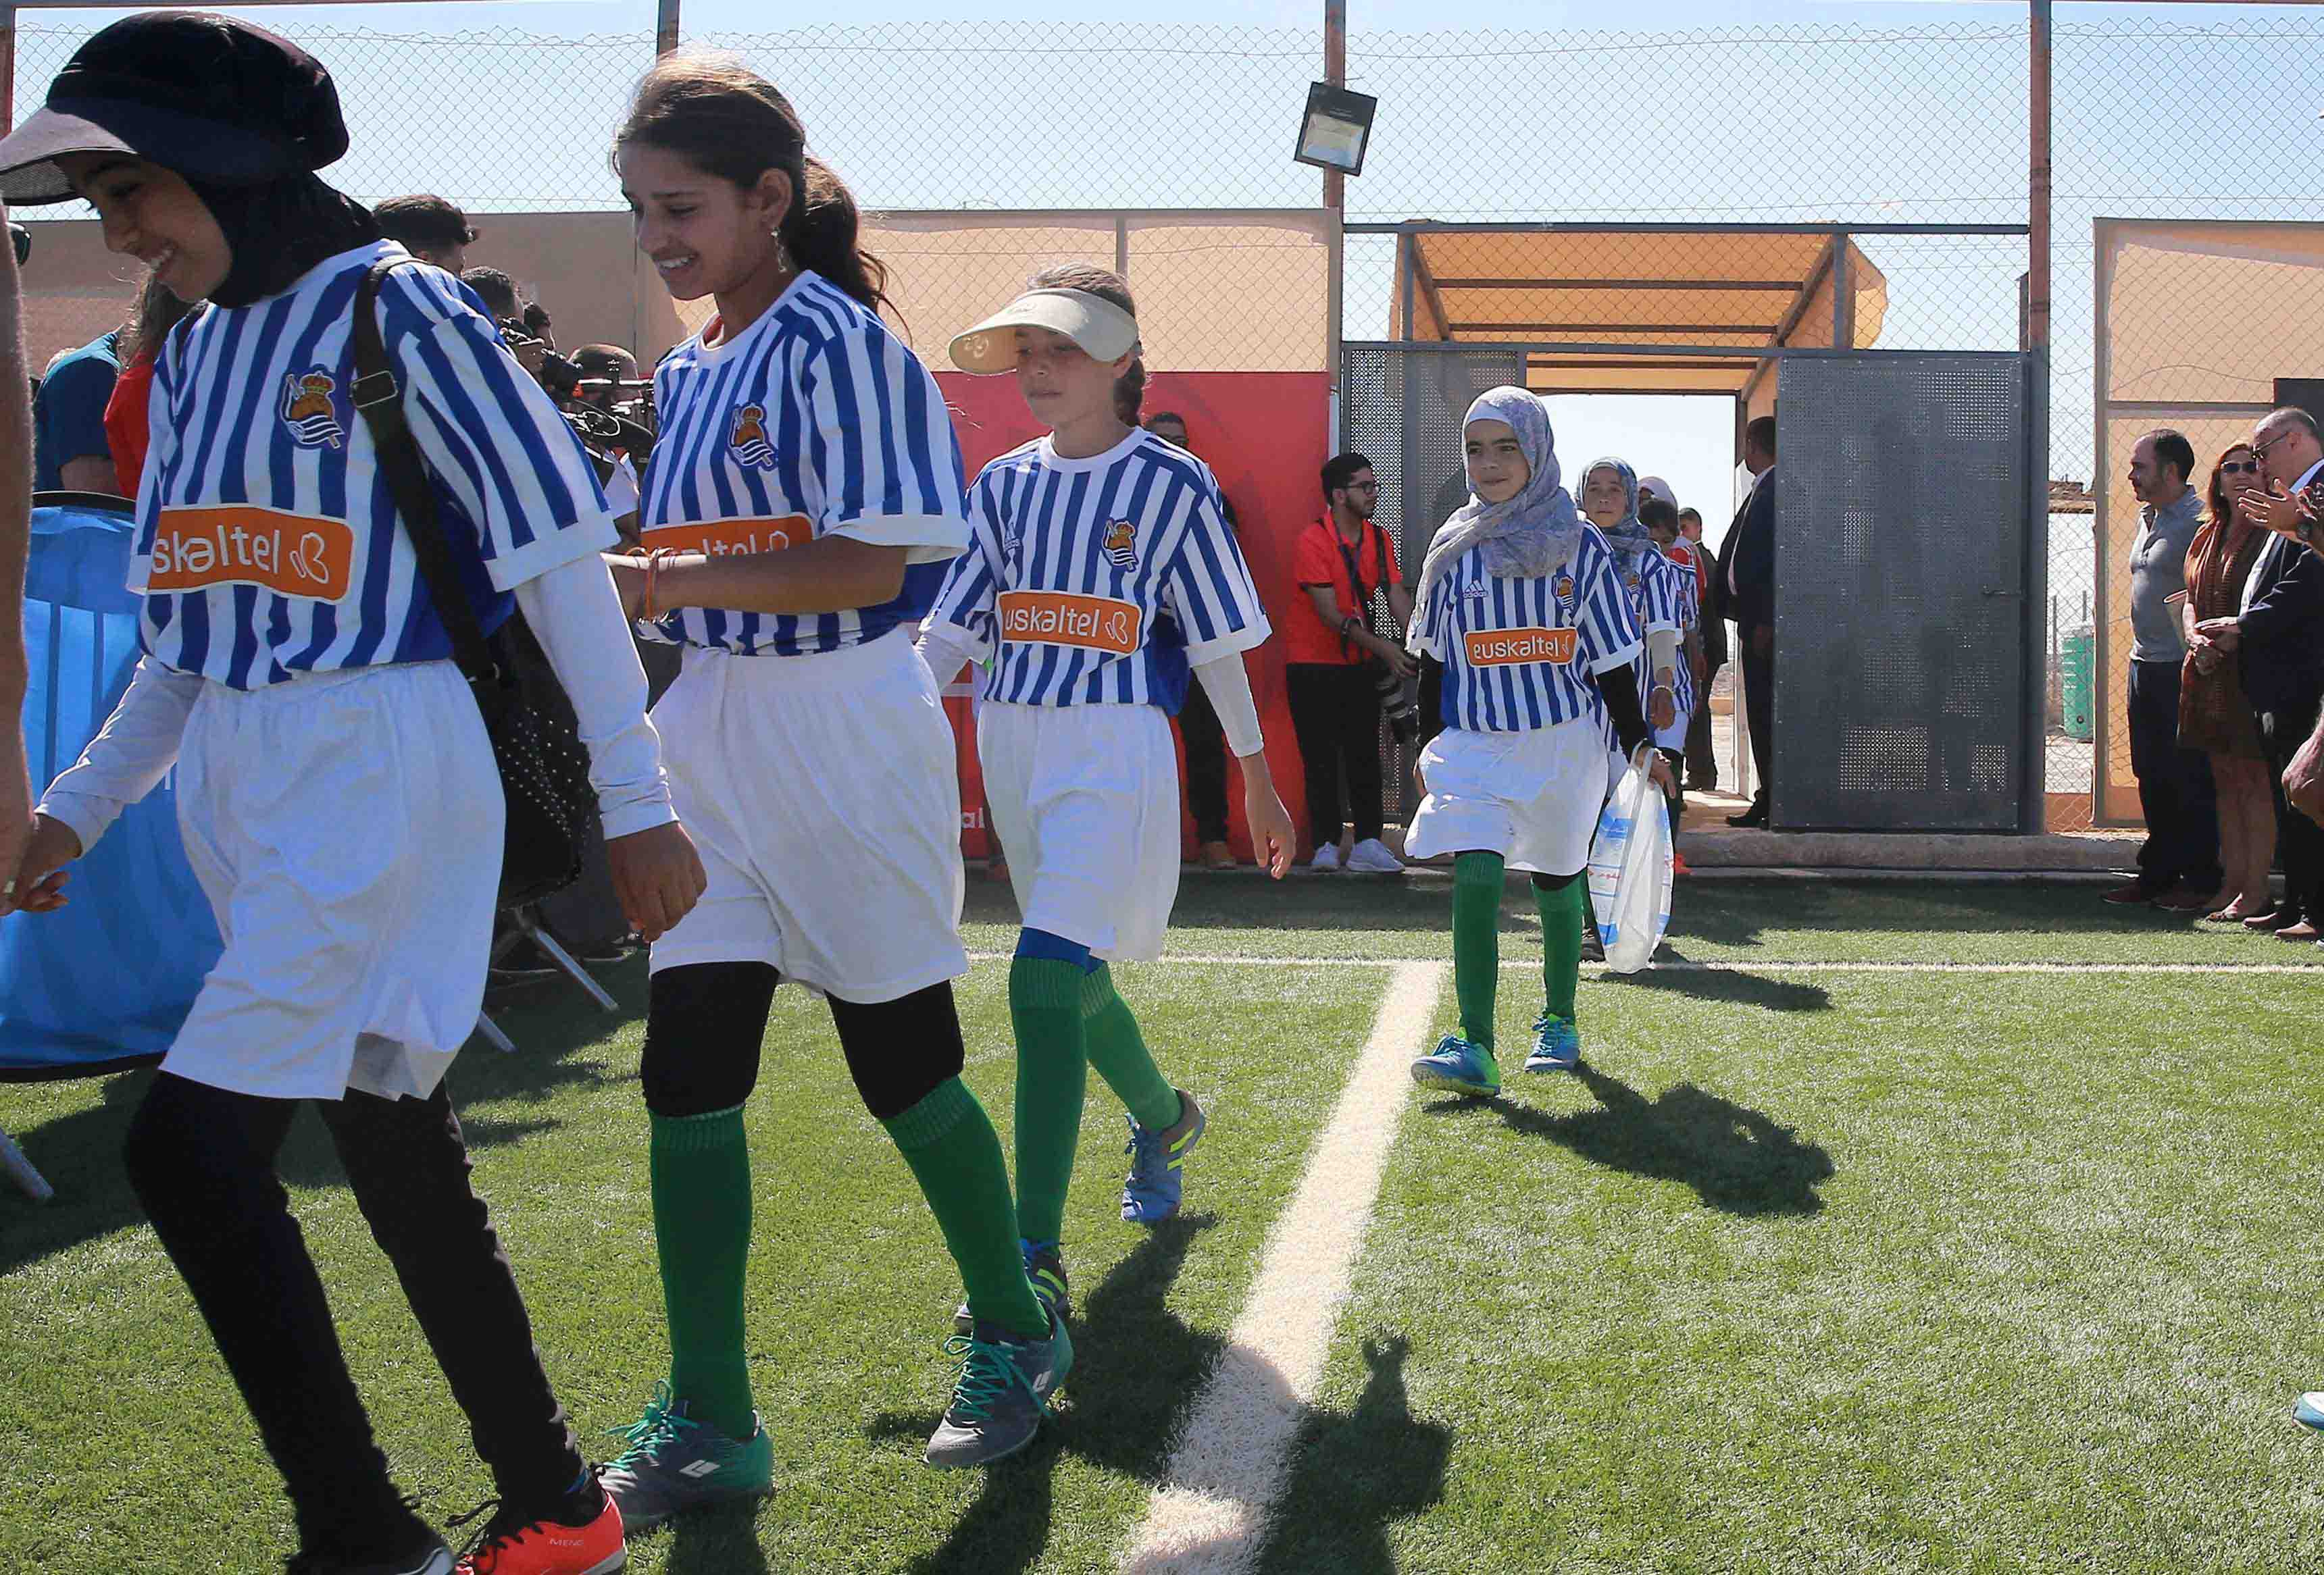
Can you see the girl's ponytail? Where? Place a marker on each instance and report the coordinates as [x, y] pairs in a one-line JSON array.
[[822, 231]]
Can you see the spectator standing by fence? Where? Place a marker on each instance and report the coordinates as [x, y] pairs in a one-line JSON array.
[[69, 451], [1746, 580], [429, 227], [2215, 714], [2179, 863], [1333, 660], [2277, 635], [126, 414]]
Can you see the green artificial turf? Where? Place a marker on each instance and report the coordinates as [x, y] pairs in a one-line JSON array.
[[121, 1437], [1883, 1272], [1810, 1270]]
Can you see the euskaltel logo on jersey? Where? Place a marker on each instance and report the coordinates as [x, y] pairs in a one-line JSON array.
[[747, 436], [1064, 618], [310, 410], [1503, 648], [234, 544], [726, 538]]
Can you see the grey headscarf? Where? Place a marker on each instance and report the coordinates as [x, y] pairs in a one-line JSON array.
[[1626, 536], [1529, 534]]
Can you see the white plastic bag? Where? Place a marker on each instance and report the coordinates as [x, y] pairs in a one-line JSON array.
[[1630, 873]]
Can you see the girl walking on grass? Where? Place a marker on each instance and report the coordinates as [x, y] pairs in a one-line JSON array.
[[1103, 578], [335, 785], [1521, 611], [801, 507]]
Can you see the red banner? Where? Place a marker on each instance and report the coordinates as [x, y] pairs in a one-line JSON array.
[[1265, 435]]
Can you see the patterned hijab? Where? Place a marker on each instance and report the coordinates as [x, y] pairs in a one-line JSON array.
[[1626, 536], [1528, 534]]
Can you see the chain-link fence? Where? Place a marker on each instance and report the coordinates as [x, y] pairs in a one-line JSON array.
[[2213, 115]]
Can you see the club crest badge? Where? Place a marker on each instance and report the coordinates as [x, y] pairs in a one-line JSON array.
[[310, 410], [1121, 543], [747, 436], [1563, 586]]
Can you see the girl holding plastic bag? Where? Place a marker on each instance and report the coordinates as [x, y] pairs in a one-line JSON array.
[[1521, 609]]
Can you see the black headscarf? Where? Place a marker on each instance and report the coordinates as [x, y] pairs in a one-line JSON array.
[[279, 230]]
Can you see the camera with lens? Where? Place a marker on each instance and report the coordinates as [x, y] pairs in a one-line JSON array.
[[558, 374], [1398, 704]]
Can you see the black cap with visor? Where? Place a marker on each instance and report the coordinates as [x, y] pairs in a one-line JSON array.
[[214, 99]]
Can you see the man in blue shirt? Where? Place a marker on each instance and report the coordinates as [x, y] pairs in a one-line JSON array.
[[69, 452]]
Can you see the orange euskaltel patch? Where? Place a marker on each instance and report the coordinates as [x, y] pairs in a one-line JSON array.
[[235, 544], [1501, 648], [1061, 618], [723, 538]]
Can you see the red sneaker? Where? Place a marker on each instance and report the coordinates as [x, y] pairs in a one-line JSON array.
[[1678, 864], [508, 1546]]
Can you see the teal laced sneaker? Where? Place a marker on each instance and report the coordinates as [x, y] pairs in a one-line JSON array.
[[1005, 1385]]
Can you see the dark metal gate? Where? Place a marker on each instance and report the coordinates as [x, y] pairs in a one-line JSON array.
[[1402, 409], [1902, 585]]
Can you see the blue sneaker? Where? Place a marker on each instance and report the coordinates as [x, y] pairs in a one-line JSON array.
[[1157, 1166], [2310, 1411], [1556, 1044], [1460, 1065]]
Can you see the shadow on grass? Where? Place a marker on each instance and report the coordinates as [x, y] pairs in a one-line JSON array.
[[1135, 1364], [1355, 1473], [1730, 985], [80, 1153], [723, 1541], [1737, 1160]]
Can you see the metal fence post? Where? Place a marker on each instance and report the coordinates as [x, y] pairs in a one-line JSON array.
[[665, 26]]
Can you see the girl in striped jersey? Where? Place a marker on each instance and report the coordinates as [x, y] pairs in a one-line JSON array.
[[1523, 626], [802, 503], [1660, 517], [335, 782], [1101, 577], [1661, 597]]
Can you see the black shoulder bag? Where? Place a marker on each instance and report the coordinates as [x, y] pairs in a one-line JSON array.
[[535, 740]]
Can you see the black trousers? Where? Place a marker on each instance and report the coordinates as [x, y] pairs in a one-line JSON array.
[[1335, 713], [1760, 704], [2175, 791], [2298, 841], [201, 1161], [1701, 758], [1206, 765]]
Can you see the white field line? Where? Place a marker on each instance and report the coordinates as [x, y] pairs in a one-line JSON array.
[[1237, 959], [1210, 1515]]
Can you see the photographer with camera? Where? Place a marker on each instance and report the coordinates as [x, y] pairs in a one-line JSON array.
[[1346, 665]]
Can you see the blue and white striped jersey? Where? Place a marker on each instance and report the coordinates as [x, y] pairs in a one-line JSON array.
[[1518, 652], [814, 420], [267, 543], [1100, 581], [1661, 595]]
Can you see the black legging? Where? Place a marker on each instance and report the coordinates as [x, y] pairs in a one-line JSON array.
[[704, 1024], [201, 1161]]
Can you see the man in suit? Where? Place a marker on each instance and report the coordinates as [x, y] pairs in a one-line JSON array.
[[2278, 638], [1745, 586]]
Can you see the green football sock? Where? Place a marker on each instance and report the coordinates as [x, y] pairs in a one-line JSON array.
[[954, 1153], [700, 1168], [1477, 942], [1117, 1051], [1044, 997], [1563, 912]]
